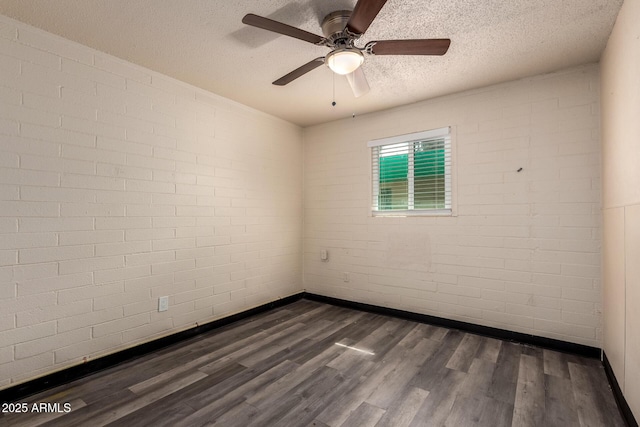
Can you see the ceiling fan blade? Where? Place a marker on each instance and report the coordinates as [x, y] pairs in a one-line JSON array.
[[280, 28], [363, 15], [298, 72], [358, 82], [410, 47]]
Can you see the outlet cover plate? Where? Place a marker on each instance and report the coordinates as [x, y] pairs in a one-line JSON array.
[[163, 303]]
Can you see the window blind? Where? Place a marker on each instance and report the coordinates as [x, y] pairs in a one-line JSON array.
[[412, 173]]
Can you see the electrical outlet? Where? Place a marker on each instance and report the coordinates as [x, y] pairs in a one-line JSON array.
[[163, 303], [345, 277], [324, 255]]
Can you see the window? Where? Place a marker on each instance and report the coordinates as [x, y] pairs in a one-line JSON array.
[[412, 173]]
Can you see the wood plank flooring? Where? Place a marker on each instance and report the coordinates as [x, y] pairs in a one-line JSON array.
[[312, 364]]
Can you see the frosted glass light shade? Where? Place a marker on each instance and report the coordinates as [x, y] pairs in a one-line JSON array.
[[344, 61]]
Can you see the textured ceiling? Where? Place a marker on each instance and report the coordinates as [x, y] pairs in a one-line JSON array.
[[203, 42]]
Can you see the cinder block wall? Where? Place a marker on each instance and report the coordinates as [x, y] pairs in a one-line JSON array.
[[523, 252], [119, 185]]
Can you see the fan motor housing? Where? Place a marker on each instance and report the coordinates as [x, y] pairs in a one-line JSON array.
[[334, 24]]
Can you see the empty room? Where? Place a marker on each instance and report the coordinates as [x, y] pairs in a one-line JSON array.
[[320, 213]]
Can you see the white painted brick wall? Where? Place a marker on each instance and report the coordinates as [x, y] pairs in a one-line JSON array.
[[523, 252], [119, 185]]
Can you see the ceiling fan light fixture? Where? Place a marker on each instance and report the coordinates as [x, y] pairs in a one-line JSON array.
[[345, 60]]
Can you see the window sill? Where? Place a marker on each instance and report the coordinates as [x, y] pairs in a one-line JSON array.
[[399, 213]]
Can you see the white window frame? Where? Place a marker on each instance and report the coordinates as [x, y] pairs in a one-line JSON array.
[[445, 132]]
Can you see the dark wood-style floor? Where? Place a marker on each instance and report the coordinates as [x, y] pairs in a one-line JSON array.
[[311, 364]]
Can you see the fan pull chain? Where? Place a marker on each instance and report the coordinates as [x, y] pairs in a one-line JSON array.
[[333, 103]]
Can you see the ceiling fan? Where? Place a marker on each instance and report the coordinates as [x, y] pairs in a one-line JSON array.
[[341, 30]]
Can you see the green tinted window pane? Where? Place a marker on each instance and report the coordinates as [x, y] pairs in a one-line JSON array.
[[429, 163], [394, 168], [429, 173]]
